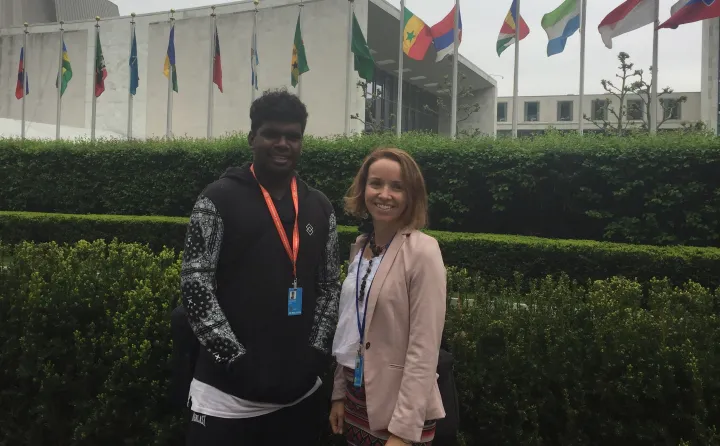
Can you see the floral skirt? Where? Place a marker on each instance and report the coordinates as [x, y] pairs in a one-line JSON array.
[[357, 427]]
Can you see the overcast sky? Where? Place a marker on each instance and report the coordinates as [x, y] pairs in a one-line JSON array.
[[679, 55]]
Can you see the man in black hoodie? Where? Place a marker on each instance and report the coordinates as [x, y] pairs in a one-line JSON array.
[[260, 284]]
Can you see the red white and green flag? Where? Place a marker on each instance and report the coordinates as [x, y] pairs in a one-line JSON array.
[[100, 70]]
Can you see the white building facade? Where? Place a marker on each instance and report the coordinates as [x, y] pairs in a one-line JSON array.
[[538, 113], [324, 88]]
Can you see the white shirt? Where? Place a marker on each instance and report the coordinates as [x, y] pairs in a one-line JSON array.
[[208, 400], [347, 337]]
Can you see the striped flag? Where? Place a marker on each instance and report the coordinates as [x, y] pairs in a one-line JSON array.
[[507, 31], [560, 24], [170, 60], [100, 69], [254, 60], [217, 64], [134, 76], [443, 34], [629, 16], [22, 77], [66, 73]]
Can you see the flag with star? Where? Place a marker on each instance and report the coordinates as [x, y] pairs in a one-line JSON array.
[[298, 63], [416, 36]]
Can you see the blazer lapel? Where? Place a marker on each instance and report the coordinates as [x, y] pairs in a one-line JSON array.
[[382, 274]]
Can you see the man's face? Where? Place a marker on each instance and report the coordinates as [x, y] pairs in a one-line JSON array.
[[276, 146]]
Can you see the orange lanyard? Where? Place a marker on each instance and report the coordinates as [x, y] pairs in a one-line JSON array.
[[278, 224]]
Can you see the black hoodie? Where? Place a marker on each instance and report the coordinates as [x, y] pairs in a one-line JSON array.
[[235, 280]]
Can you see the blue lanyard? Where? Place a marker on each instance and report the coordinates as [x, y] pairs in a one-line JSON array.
[[361, 325]]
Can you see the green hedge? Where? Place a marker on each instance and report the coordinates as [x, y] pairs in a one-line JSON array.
[[491, 255], [84, 357], [641, 189]]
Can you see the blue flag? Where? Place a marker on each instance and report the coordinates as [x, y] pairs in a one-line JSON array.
[[134, 77]]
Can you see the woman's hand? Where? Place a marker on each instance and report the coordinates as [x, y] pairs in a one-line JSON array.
[[337, 416], [395, 441]]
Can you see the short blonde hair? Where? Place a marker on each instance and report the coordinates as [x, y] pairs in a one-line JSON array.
[[415, 214]]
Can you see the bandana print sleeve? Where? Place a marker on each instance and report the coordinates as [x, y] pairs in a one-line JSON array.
[[200, 257], [328, 289]]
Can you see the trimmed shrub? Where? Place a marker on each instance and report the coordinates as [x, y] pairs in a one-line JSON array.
[[84, 357], [605, 363], [640, 189], [490, 255]]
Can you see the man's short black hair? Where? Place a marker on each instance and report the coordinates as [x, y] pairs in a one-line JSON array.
[[280, 106]]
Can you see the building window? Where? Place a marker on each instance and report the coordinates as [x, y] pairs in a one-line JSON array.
[[502, 112], [599, 109], [565, 111], [635, 110], [532, 111], [672, 109]]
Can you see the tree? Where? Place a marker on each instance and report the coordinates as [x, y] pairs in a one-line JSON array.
[[632, 82], [644, 90], [466, 105], [620, 123], [371, 122]]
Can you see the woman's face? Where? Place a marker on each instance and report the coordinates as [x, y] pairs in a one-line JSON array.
[[385, 196]]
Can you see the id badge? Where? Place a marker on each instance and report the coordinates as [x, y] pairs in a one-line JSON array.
[[294, 301], [359, 361]]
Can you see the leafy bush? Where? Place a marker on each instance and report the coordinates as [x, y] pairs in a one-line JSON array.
[[84, 356], [599, 364], [491, 255], [86, 343], [640, 189]]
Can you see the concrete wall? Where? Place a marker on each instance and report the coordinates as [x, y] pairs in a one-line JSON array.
[[323, 88], [690, 111]]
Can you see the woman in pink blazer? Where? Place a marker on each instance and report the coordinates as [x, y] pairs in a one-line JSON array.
[[392, 312]]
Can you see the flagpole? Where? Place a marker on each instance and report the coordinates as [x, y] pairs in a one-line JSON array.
[[168, 125], [93, 120], [130, 95], [654, 93], [517, 60], [299, 84], [211, 91], [59, 84], [349, 65], [581, 100], [401, 59], [25, 81], [456, 55], [254, 55]]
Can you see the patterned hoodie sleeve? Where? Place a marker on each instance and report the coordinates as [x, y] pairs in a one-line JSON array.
[[328, 289], [199, 264]]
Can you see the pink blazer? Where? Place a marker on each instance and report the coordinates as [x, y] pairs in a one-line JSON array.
[[405, 321]]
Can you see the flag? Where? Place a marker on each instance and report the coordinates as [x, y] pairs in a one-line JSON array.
[[416, 36], [21, 77], [66, 71], [170, 60], [629, 16], [134, 76], [507, 31], [560, 24], [364, 62], [100, 70], [689, 11], [217, 64], [298, 62], [443, 34], [254, 60]]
